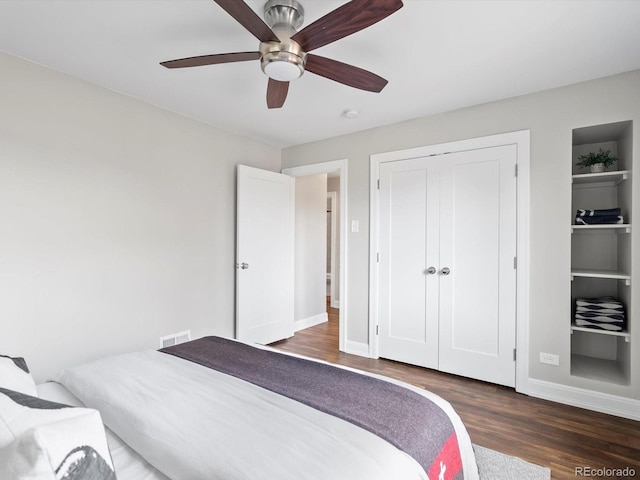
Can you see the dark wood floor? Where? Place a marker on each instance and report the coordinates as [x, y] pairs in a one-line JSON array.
[[546, 433]]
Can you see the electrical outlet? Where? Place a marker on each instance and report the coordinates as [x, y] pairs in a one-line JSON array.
[[550, 359]]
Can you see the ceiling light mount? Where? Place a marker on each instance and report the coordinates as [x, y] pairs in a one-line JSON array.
[[350, 113], [283, 14]]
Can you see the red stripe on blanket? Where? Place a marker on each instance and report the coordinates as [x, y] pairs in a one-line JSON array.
[[448, 463]]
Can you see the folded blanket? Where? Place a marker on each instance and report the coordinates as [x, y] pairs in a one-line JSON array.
[[599, 302], [600, 220], [600, 310], [602, 326], [595, 317], [597, 213], [605, 313]]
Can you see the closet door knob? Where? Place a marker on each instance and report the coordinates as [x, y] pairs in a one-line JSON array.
[[445, 271], [430, 270]]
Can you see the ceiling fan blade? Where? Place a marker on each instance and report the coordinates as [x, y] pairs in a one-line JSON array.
[[246, 17], [276, 93], [211, 59], [344, 73], [343, 21]]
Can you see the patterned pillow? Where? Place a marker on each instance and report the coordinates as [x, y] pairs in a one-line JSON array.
[[14, 375], [44, 440]]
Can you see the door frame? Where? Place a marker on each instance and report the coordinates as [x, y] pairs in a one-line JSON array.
[[522, 141], [330, 167], [332, 197]]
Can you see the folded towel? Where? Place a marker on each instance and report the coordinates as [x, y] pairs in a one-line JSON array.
[[600, 311], [600, 220], [595, 317], [598, 303], [597, 213], [602, 302], [602, 326]]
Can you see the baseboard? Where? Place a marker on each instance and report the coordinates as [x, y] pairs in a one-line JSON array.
[[335, 304], [580, 397], [357, 348], [310, 321]]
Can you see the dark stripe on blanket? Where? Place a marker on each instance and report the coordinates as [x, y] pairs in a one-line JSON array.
[[402, 417]]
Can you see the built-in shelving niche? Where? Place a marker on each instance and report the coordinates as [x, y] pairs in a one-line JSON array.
[[601, 255]]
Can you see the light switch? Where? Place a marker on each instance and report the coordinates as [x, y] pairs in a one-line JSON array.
[[355, 226]]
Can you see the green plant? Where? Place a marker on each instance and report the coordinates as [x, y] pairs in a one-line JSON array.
[[591, 158]]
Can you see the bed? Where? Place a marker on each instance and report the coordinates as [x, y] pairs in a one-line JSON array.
[[217, 408]]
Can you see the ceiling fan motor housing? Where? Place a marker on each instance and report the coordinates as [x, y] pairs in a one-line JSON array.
[[283, 14], [284, 60]]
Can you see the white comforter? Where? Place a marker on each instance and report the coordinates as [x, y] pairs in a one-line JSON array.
[[194, 423]]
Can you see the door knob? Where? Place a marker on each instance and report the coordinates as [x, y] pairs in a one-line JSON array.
[[445, 271], [430, 270], [243, 265]]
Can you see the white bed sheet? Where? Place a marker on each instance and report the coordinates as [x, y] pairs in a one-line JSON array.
[[128, 464], [241, 444]]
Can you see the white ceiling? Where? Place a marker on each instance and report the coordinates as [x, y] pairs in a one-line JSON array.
[[437, 55]]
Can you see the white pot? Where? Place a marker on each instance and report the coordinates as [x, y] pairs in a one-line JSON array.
[[597, 168]]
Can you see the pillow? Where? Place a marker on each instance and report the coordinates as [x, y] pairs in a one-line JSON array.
[[14, 375], [42, 440]]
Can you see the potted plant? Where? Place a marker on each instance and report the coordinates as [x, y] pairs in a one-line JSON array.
[[598, 161]]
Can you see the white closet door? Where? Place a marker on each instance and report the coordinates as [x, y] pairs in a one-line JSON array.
[[408, 300], [478, 246]]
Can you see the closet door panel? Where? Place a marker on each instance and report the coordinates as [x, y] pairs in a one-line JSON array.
[[478, 222], [408, 298]]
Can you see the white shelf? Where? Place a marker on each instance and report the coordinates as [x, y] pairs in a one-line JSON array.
[[597, 331], [601, 355], [617, 177], [598, 369], [617, 275], [625, 227]]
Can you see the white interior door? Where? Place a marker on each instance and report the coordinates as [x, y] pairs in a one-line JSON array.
[[408, 293], [264, 255], [478, 246]]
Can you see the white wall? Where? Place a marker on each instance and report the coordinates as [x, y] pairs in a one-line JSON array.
[[550, 115], [117, 220], [310, 302]]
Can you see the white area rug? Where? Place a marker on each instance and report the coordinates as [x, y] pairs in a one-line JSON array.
[[494, 465]]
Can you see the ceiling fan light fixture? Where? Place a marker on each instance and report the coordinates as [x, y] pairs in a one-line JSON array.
[[282, 66]]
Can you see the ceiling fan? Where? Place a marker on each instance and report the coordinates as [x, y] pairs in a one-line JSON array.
[[283, 51]]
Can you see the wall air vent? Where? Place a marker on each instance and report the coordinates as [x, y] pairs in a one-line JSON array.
[[175, 339]]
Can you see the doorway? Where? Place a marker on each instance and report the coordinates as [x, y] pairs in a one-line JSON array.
[[333, 242], [336, 169]]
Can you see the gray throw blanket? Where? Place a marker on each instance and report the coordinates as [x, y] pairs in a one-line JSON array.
[[404, 418]]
